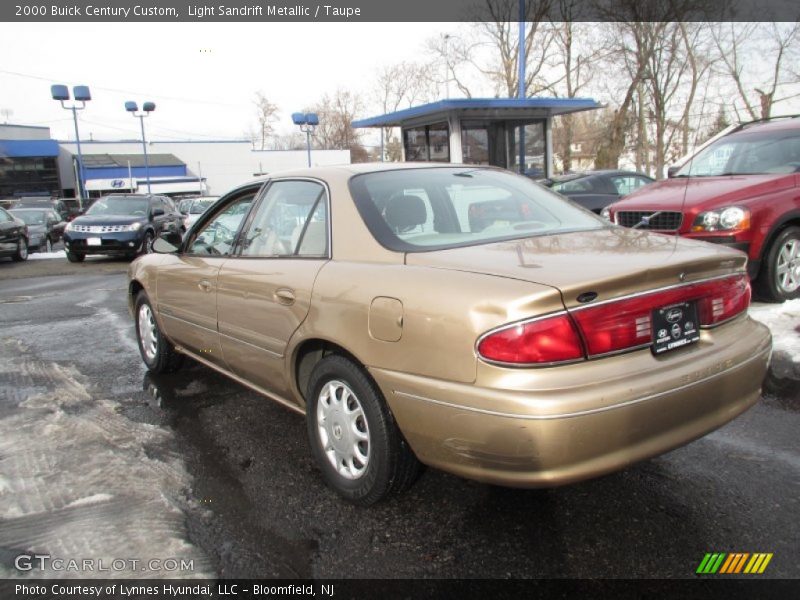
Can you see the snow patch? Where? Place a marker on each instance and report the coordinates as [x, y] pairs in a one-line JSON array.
[[783, 321], [45, 255], [93, 499]]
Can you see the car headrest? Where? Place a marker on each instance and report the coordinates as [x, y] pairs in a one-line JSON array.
[[405, 212]]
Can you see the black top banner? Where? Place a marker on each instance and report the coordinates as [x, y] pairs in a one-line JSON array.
[[398, 10]]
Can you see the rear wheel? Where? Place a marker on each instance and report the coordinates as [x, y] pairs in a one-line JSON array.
[[22, 250], [75, 257], [157, 353], [780, 276], [354, 438]]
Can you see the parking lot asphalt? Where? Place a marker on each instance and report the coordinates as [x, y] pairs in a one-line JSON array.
[[254, 505]]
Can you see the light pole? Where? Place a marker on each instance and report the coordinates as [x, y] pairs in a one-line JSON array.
[[307, 123], [147, 107], [82, 95]]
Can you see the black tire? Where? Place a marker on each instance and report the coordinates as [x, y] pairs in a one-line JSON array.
[[147, 243], [157, 352], [772, 284], [75, 257], [391, 466], [22, 250]]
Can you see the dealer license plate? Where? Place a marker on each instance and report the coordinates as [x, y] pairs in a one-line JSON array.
[[674, 326], [94, 242]]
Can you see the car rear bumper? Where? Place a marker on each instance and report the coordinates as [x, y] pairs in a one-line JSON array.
[[552, 426], [117, 243]]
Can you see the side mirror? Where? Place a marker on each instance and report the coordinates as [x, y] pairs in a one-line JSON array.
[[158, 211], [672, 171], [162, 246]]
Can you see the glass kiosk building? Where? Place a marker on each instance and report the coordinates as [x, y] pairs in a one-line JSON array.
[[482, 131]]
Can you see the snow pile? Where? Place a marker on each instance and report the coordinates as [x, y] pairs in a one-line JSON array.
[[783, 321], [79, 480], [40, 255]]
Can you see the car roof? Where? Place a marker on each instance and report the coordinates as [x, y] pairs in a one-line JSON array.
[[360, 168], [778, 123]]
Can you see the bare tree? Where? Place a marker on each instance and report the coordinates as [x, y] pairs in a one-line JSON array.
[[402, 85], [775, 45], [266, 114], [336, 115], [577, 52], [489, 49], [675, 68]]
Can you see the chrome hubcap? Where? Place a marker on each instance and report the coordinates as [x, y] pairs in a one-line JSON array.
[[788, 268], [48, 245], [23, 249], [148, 332], [343, 430]]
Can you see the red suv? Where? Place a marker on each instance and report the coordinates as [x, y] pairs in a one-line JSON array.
[[742, 191]]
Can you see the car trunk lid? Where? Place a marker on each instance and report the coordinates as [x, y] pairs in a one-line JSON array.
[[600, 264]]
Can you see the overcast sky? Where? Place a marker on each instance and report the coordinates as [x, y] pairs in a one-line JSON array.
[[202, 76]]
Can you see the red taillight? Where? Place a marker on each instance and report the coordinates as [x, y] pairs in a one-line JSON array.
[[624, 324], [548, 340], [723, 299], [611, 327]]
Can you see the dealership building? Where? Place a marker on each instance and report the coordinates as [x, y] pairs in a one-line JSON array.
[[31, 162]]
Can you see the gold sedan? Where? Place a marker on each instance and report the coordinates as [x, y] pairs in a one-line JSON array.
[[455, 316]]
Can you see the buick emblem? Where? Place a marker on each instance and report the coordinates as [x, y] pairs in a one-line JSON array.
[[674, 315]]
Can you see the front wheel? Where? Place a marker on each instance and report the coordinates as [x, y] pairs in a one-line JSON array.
[[22, 250], [157, 353], [48, 246], [354, 438], [780, 276], [75, 257]]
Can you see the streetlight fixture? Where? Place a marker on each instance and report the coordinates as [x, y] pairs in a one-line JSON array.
[[83, 95], [307, 123], [147, 108]]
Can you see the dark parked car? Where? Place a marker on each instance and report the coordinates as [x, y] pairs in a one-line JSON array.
[[121, 225], [55, 204], [13, 236], [742, 191], [597, 189], [45, 227]]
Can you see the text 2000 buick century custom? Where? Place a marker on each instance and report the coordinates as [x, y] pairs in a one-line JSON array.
[[460, 317]]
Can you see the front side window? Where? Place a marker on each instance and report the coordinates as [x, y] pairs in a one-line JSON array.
[[218, 236], [291, 220], [414, 210]]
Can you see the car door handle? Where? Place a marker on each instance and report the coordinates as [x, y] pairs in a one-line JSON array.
[[205, 285], [284, 296]]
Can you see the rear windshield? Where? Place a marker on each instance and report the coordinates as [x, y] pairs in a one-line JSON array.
[[747, 153], [31, 217], [414, 210]]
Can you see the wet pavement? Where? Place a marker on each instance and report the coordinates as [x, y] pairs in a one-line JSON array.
[[238, 469]]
